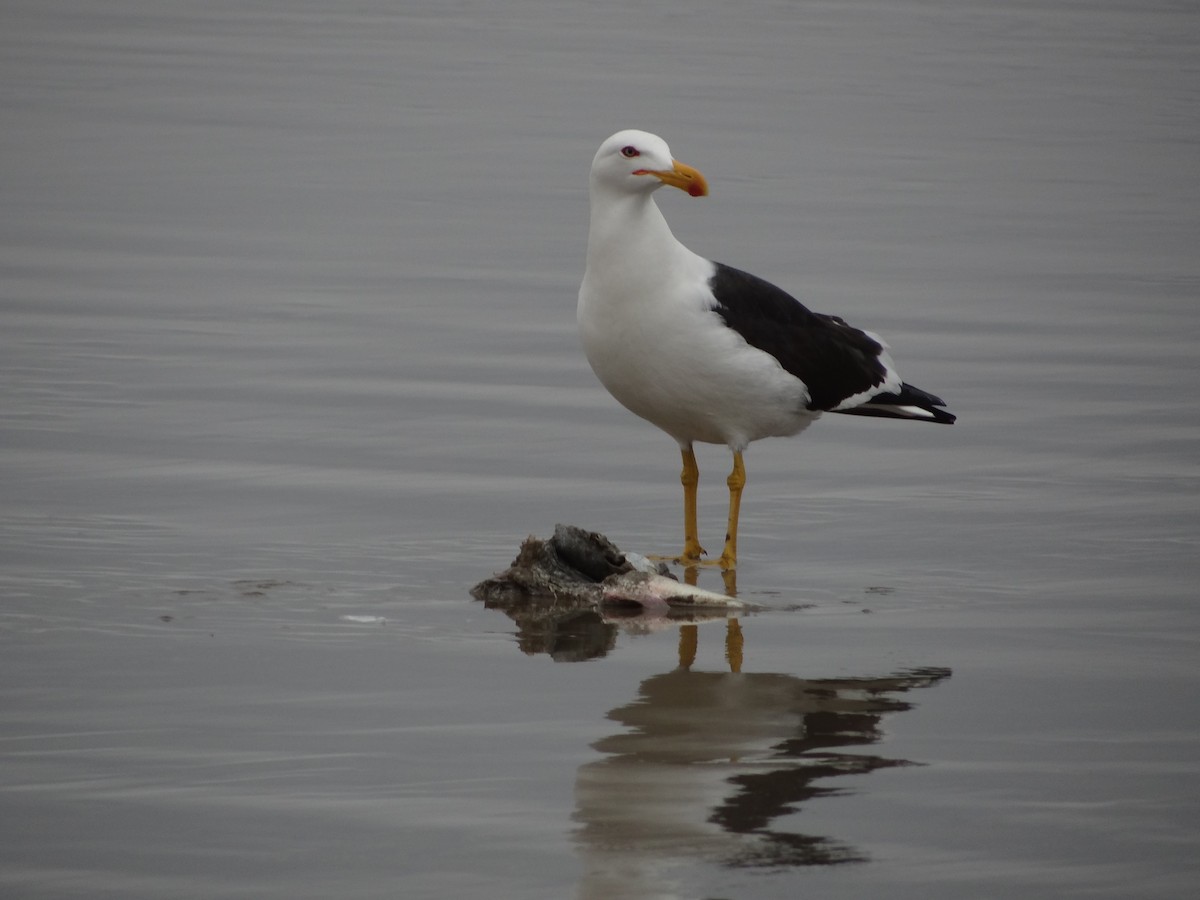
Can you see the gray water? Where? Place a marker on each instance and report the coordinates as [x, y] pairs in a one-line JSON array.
[[289, 363]]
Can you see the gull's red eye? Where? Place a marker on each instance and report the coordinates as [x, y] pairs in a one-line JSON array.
[[630, 152]]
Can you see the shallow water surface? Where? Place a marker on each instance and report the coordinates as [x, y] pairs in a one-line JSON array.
[[289, 363]]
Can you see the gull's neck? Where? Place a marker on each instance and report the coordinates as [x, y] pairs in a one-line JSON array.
[[629, 227]]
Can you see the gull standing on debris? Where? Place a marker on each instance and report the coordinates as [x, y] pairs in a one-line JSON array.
[[707, 352]]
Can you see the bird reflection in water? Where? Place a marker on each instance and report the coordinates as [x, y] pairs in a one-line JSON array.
[[708, 764]]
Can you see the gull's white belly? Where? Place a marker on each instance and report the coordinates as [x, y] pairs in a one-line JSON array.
[[692, 376]]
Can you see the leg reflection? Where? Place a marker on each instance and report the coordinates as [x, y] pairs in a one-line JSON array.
[[689, 638]]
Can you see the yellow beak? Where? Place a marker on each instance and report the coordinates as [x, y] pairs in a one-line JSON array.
[[681, 176]]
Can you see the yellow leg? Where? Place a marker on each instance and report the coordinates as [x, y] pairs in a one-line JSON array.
[[736, 481], [729, 577], [690, 478]]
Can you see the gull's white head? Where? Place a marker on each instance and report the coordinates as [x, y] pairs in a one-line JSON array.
[[637, 162]]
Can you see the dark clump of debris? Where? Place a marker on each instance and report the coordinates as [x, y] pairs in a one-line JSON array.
[[586, 567], [570, 594]]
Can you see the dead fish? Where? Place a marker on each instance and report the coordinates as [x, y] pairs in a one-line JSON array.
[[654, 591], [577, 565]]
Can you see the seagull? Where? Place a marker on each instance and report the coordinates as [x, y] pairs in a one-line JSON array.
[[705, 351]]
